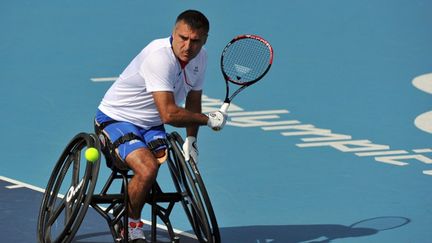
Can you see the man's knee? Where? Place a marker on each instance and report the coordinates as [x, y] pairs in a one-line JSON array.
[[143, 163], [161, 155]]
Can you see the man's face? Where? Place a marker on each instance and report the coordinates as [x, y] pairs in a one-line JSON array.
[[187, 42]]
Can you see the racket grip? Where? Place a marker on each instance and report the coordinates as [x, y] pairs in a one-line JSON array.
[[224, 107]]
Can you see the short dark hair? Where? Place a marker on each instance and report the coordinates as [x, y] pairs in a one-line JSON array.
[[195, 19]]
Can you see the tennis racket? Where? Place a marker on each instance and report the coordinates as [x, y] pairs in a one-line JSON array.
[[244, 61]]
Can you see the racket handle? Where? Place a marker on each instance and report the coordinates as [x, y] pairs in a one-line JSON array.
[[224, 107]]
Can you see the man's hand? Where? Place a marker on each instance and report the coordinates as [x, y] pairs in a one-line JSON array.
[[217, 120], [190, 149]]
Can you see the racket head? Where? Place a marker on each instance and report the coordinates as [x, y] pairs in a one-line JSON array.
[[246, 59], [381, 223]]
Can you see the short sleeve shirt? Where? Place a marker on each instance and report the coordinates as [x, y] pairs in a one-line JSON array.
[[155, 68]]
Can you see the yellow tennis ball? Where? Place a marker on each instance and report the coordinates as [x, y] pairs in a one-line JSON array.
[[91, 154]]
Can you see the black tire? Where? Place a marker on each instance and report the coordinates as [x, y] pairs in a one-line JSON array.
[[195, 200], [75, 178]]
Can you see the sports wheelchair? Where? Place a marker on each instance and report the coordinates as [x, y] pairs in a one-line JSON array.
[[71, 190]]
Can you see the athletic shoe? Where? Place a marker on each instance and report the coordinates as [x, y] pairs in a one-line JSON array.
[[136, 232]]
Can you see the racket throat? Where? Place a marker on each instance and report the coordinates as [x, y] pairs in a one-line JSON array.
[[225, 106]]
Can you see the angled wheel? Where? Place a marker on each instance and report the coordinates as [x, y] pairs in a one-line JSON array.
[[195, 200], [69, 190]]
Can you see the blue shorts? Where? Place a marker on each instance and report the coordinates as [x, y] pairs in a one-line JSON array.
[[118, 129]]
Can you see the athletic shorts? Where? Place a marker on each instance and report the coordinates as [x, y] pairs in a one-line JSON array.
[[118, 129]]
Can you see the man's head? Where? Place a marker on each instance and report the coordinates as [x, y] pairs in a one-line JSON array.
[[189, 34]]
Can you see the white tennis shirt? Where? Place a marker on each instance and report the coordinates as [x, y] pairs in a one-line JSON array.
[[155, 68]]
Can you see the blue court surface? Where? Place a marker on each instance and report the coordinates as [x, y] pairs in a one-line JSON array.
[[333, 145]]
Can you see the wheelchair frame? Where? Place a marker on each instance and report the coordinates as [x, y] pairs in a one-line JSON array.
[[79, 176]]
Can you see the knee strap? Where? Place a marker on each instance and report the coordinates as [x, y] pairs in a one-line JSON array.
[[152, 145], [158, 143], [102, 125], [125, 138]]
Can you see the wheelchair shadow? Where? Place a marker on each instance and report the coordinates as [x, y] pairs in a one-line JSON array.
[[321, 233], [292, 233], [93, 237]]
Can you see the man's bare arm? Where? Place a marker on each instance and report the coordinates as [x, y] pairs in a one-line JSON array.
[[177, 116]]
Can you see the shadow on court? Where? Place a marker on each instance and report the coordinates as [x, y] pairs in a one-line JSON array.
[[94, 229], [321, 233], [104, 237], [20, 205]]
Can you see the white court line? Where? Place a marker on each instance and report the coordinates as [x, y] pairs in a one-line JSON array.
[[427, 172], [105, 79], [426, 150], [22, 184], [19, 184], [14, 186]]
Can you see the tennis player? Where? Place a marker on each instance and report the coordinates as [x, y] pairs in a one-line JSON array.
[[148, 94]]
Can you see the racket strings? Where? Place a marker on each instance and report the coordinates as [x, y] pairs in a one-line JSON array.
[[246, 60]]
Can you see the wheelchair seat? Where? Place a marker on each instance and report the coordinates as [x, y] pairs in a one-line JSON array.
[[121, 171]]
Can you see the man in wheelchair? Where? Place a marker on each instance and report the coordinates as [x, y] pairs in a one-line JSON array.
[[147, 94]]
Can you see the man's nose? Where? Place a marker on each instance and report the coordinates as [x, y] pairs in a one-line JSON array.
[[187, 44]]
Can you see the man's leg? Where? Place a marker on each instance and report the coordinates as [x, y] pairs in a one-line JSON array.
[[145, 168]]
